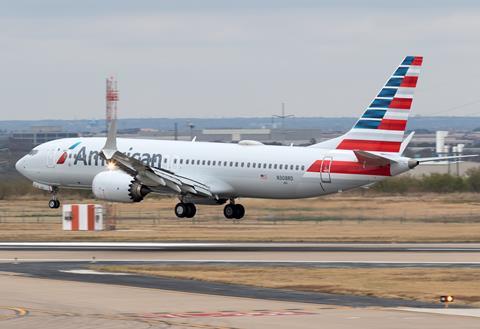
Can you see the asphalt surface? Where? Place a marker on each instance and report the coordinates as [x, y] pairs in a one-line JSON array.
[[53, 285], [70, 271], [242, 246], [31, 302]]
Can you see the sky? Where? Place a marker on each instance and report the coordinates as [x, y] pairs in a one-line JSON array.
[[232, 58]]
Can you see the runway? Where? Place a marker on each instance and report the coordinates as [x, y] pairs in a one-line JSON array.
[[38, 303], [242, 246], [319, 254], [53, 282]]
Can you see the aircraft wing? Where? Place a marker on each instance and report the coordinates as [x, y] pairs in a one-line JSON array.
[[147, 175]]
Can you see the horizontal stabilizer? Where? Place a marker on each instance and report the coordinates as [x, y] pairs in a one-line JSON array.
[[372, 159]]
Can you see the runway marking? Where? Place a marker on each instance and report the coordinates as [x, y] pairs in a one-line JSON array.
[[443, 249], [471, 312], [253, 261], [220, 314], [14, 312], [90, 272]]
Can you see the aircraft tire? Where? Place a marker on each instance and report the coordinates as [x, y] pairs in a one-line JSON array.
[[181, 210], [239, 211], [191, 210], [53, 204], [229, 211]]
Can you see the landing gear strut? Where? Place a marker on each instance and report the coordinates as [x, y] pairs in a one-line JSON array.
[[233, 210], [54, 203], [187, 210]]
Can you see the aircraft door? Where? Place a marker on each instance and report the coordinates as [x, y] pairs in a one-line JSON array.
[[325, 169], [50, 158]]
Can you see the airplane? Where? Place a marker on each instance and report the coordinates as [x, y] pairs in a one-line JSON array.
[[127, 170]]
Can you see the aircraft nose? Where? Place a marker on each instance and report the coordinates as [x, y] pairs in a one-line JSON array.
[[20, 165]]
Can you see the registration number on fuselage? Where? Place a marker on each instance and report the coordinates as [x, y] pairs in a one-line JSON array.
[[285, 179]]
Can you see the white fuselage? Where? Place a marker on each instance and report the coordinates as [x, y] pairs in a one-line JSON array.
[[230, 170]]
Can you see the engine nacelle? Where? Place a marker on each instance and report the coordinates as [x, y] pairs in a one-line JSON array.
[[117, 186]]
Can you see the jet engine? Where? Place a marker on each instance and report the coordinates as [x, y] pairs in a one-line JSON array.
[[117, 186]]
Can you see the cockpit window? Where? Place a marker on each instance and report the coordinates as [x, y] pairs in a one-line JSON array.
[[33, 152]]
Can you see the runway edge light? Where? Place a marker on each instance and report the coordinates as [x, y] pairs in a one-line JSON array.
[[447, 299]]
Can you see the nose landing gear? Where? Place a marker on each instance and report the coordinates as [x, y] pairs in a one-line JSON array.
[[54, 203]]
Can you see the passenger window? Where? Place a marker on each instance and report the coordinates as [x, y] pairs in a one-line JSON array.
[[296, 167], [224, 163], [198, 162], [174, 160], [208, 162], [219, 163], [303, 167], [236, 164], [291, 167], [269, 166], [248, 164], [231, 163], [264, 165], [181, 161], [275, 166], [203, 162], [281, 167], [242, 164], [187, 161]]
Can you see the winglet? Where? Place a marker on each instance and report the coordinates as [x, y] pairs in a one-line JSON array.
[[111, 143], [405, 142]]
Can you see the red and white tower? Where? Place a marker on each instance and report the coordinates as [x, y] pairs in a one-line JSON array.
[[111, 100]]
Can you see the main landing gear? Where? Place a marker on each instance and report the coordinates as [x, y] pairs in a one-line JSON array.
[[54, 203], [234, 211], [187, 210]]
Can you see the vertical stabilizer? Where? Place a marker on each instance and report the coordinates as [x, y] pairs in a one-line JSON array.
[[382, 126]]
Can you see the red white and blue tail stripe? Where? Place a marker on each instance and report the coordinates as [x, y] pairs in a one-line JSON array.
[[382, 126]]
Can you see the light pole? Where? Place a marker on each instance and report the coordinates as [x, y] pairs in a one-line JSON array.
[[191, 126], [283, 116]]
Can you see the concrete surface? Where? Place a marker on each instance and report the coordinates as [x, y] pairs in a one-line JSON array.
[[42, 303]]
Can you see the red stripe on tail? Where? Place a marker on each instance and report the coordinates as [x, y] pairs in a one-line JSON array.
[[409, 81], [401, 103], [367, 145], [389, 124], [417, 61]]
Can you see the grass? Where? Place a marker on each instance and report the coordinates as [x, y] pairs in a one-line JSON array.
[[344, 217], [425, 284]]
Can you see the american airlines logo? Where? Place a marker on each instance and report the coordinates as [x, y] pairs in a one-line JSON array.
[[64, 156], [93, 158]]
